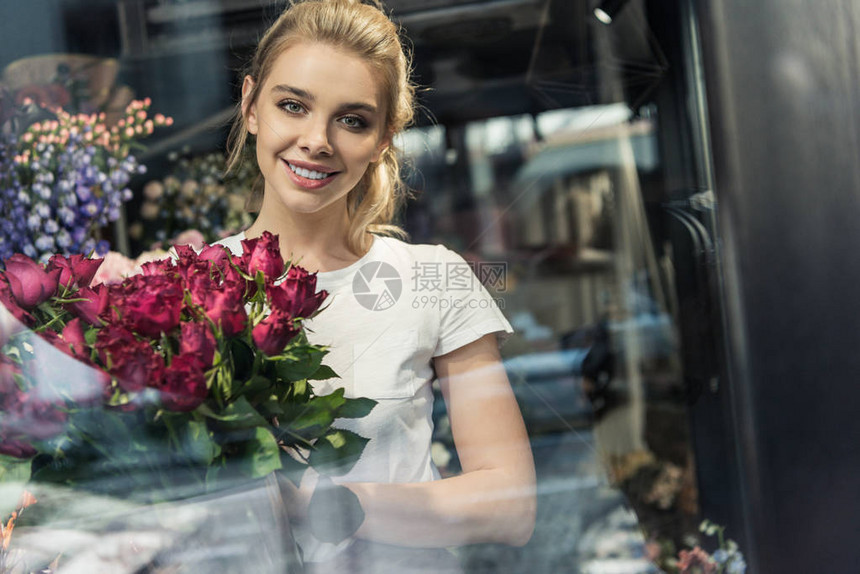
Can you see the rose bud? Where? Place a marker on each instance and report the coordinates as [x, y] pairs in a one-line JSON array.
[[296, 295], [29, 282], [274, 332], [76, 270], [94, 304], [218, 255], [198, 341], [8, 301], [73, 335], [265, 257], [226, 308], [184, 387]]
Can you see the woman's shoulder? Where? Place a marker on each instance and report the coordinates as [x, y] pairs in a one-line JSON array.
[[387, 245], [233, 243]]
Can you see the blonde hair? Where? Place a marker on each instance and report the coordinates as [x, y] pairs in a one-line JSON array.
[[366, 31]]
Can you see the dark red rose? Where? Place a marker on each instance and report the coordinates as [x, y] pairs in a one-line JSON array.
[[159, 267], [16, 448], [184, 387], [73, 335], [75, 270], [199, 284], [217, 255], [8, 387], [198, 341], [29, 282], [133, 363], [185, 254], [263, 254], [28, 417], [153, 306], [94, 304], [11, 305], [296, 295], [273, 333], [226, 308]]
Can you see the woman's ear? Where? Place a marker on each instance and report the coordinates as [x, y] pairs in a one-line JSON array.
[[383, 145], [249, 109]]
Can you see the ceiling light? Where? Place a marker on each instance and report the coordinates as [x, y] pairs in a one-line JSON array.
[[608, 10]]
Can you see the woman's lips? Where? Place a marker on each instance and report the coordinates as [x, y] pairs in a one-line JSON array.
[[312, 182]]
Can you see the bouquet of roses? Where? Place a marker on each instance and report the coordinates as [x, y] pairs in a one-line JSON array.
[[192, 373]]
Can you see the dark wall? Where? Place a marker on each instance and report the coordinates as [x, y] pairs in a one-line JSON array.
[[783, 88], [28, 28]]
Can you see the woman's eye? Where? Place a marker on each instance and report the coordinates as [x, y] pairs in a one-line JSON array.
[[292, 107], [354, 122]]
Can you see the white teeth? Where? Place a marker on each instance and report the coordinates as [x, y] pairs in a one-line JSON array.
[[307, 173]]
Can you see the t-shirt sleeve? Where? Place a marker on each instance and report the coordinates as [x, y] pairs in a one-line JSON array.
[[467, 311]]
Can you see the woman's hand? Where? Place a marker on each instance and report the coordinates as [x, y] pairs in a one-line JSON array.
[[298, 498]]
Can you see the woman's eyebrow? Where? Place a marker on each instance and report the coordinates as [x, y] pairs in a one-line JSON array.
[[304, 94]]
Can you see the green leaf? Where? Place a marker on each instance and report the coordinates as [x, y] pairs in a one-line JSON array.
[[337, 452], [263, 454], [243, 358], [14, 469], [323, 373], [197, 442], [356, 408], [237, 415], [256, 384], [292, 467], [334, 512], [299, 363], [306, 420]]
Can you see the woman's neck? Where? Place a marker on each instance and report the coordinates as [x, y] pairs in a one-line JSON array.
[[316, 241]]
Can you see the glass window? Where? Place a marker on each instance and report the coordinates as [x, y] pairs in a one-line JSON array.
[[539, 154]]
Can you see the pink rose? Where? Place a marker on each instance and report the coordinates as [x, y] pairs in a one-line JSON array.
[[190, 237], [696, 561], [29, 282], [263, 254], [94, 304], [75, 270], [296, 294], [274, 332], [184, 387], [198, 341], [114, 268], [226, 308]]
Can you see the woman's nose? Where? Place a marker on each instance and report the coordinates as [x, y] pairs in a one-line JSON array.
[[315, 138]]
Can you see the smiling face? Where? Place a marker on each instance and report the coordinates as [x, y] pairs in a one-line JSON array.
[[319, 118]]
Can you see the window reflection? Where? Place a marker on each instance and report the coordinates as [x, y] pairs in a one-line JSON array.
[[563, 199]]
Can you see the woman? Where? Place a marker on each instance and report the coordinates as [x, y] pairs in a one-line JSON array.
[[326, 92]]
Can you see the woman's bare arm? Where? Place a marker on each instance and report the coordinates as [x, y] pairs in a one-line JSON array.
[[493, 500]]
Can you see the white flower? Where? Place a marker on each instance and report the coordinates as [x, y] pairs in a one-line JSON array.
[[153, 190]]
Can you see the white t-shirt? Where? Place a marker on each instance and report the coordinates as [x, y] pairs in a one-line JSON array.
[[387, 315]]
